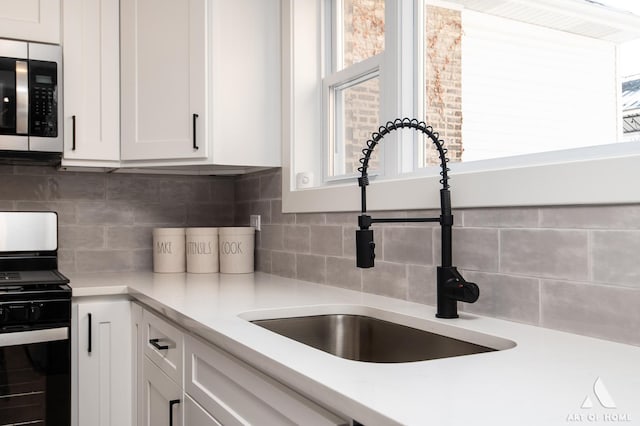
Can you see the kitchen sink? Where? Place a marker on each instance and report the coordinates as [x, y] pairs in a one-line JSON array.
[[365, 338]]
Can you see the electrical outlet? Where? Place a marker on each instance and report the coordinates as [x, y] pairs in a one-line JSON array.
[[254, 220]]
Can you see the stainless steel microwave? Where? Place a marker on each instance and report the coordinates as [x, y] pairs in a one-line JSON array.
[[30, 96]]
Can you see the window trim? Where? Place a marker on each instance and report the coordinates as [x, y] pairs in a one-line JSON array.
[[605, 174], [347, 77]]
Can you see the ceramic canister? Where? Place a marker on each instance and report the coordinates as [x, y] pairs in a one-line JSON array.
[[168, 250], [202, 250], [236, 249]]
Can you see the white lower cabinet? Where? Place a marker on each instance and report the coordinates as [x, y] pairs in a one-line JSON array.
[[195, 415], [102, 393], [187, 381], [237, 394], [162, 397]]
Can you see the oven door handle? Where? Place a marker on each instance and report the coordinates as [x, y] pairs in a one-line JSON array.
[[33, 336]]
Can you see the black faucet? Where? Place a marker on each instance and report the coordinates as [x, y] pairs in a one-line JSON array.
[[451, 286]]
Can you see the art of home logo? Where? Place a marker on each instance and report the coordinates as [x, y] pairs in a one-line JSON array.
[[599, 407]]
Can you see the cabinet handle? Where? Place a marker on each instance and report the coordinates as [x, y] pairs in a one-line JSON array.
[[73, 132], [89, 334], [171, 404], [195, 144], [158, 346]]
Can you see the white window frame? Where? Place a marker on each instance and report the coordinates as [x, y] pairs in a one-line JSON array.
[[396, 73], [337, 81], [606, 174]]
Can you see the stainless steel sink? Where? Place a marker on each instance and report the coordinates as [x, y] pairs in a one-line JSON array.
[[364, 338]]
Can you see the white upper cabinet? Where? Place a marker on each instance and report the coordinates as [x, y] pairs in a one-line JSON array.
[[33, 20], [164, 68], [200, 82], [246, 82], [91, 52]]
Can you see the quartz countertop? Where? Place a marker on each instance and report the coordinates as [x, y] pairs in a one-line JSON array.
[[544, 380]]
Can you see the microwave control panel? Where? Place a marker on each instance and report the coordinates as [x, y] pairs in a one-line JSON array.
[[43, 98]]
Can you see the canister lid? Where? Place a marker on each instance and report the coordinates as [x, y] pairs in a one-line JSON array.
[[237, 230], [202, 231], [168, 231]]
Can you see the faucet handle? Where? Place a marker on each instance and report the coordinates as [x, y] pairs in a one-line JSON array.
[[453, 287], [365, 248], [468, 292], [457, 288]]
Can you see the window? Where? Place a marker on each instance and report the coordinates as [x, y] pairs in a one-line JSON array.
[[502, 82], [352, 84]]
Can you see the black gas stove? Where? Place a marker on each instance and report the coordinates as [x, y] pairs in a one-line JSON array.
[[35, 319]]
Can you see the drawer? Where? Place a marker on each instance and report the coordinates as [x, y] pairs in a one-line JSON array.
[[164, 345], [237, 394]]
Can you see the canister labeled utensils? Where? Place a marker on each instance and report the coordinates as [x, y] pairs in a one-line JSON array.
[[202, 250]]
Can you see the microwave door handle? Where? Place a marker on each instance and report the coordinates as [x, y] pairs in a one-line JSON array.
[[22, 97]]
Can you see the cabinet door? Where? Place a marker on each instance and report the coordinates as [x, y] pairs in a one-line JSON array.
[[162, 398], [246, 62], [91, 49], [33, 20], [164, 67], [195, 415], [104, 363]]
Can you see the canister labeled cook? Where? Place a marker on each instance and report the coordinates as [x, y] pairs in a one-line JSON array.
[[168, 250], [236, 249], [202, 250]]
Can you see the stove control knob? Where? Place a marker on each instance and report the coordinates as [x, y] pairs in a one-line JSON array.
[[4, 314], [35, 312]]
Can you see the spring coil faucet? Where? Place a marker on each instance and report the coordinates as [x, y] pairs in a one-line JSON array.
[[451, 286]]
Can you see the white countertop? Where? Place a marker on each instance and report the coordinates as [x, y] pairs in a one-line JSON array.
[[542, 381]]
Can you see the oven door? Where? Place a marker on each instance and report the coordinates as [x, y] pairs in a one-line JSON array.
[[14, 100], [35, 383]]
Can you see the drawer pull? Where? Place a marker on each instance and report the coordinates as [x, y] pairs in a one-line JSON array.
[[155, 343], [171, 404]]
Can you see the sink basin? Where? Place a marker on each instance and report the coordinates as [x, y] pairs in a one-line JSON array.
[[364, 338]]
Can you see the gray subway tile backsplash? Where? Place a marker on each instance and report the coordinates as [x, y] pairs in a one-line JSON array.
[[342, 273], [500, 218], [594, 310], [476, 249], [103, 213], [386, 279], [106, 220], [512, 253], [506, 296], [407, 245], [545, 253], [297, 238], [311, 267], [421, 284], [326, 240], [616, 257], [568, 268]]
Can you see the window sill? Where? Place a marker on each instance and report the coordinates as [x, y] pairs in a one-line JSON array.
[[598, 175]]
